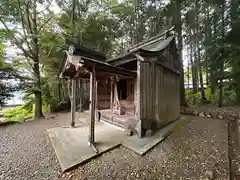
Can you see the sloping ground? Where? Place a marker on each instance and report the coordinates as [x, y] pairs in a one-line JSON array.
[[198, 150]]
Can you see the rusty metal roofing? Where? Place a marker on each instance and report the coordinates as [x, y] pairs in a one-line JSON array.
[[158, 46], [152, 47]]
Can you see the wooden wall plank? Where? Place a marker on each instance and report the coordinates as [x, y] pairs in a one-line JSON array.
[[159, 97]]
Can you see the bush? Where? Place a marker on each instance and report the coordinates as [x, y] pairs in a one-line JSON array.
[[212, 98], [229, 96], [17, 114], [192, 98], [21, 113]]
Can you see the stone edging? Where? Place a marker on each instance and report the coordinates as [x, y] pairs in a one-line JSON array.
[[216, 113]]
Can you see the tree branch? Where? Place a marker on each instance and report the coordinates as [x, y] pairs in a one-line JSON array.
[[16, 42], [23, 25], [39, 30], [28, 17]]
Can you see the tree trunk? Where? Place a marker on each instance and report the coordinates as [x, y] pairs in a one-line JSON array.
[[73, 20], [38, 95], [237, 90], [203, 96], [220, 100], [220, 96], [195, 67], [59, 90], [208, 36], [178, 25], [194, 81], [213, 82], [38, 105], [188, 67], [235, 62], [135, 34]]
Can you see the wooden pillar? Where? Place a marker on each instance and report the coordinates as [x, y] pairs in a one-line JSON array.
[[138, 100], [96, 102], [138, 90], [73, 102], [111, 98], [81, 95], [91, 137]]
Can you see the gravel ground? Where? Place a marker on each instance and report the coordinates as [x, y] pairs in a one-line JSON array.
[[193, 152], [234, 149], [196, 151], [26, 152]]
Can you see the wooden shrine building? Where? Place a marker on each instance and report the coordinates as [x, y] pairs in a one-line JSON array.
[[138, 90]]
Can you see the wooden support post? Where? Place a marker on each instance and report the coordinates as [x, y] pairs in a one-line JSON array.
[[111, 98], [73, 103], [96, 102], [81, 95], [92, 106], [138, 100]]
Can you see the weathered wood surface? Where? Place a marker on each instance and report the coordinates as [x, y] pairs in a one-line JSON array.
[[92, 106], [111, 94], [82, 94], [73, 102], [159, 95], [104, 94]]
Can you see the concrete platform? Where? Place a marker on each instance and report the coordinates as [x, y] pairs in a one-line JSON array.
[[125, 121], [71, 147], [142, 146]]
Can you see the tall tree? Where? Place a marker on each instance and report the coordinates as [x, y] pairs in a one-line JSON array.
[[10, 79], [178, 26], [220, 102], [27, 15], [235, 27], [198, 51]]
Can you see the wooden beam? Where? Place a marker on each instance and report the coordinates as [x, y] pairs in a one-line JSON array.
[[91, 137], [73, 103], [102, 66]]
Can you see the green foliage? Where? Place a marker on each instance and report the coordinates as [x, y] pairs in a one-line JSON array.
[[10, 79], [192, 98], [21, 113], [110, 27], [229, 96], [195, 98], [210, 97], [18, 113]]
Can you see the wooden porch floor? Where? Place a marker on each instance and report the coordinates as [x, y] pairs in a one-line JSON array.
[[123, 121]]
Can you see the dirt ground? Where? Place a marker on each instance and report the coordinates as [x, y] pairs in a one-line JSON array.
[[198, 150]]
